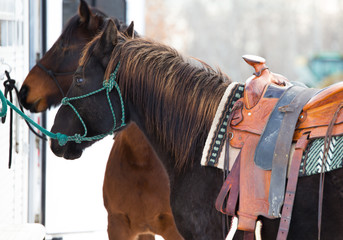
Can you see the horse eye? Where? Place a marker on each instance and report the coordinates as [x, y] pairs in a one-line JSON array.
[[79, 80]]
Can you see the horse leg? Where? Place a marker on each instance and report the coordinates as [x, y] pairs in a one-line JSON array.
[[119, 228], [165, 226]]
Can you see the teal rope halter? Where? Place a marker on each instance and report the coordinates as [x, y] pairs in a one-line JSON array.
[[108, 85]]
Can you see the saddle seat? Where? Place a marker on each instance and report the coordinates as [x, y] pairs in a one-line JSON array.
[[318, 112]]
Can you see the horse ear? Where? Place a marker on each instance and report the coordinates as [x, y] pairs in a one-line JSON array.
[[130, 32], [91, 21], [108, 38], [84, 11]]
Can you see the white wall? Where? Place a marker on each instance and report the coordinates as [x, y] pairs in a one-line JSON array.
[[14, 52]]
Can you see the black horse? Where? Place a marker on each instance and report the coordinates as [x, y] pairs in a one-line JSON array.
[[174, 102]]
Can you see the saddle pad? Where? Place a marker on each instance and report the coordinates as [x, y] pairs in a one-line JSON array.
[[214, 150], [312, 159]]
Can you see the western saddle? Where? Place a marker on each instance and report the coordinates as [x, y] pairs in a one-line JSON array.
[[270, 117]]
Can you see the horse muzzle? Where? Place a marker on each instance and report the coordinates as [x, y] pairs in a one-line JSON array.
[[69, 151], [39, 105]]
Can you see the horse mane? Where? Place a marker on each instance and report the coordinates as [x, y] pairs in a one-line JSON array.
[[183, 93]]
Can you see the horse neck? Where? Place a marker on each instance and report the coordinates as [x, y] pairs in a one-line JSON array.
[[180, 134], [175, 111]]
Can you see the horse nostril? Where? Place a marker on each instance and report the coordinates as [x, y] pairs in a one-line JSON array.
[[23, 93]]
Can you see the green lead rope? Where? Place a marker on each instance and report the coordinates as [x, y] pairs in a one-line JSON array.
[[62, 139], [3, 112], [3, 104]]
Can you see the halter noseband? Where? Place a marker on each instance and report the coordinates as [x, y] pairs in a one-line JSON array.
[[53, 75], [107, 86]]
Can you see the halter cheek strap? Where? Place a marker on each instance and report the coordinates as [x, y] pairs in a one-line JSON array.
[[53, 76]]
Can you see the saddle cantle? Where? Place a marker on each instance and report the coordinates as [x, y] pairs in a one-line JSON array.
[[263, 91], [318, 112]]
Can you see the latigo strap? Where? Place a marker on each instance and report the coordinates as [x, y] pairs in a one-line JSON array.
[[231, 185], [291, 188]]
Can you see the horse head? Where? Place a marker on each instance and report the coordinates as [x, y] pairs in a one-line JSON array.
[[49, 80], [86, 103]]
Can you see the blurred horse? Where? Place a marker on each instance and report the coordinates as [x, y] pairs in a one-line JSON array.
[[136, 187]]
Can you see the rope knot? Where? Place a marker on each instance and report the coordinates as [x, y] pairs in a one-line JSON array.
[[62, 139], [65, 101], [109, 84], [77, 138]]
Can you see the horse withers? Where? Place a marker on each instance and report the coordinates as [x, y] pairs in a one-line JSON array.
[[133, 169], [174, 102]]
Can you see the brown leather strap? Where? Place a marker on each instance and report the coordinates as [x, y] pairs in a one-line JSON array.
[[231, 185], [232, 200], [291, 187], [327, 142]]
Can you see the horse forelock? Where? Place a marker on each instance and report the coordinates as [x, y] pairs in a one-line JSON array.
[[91, 47], [179, 99]]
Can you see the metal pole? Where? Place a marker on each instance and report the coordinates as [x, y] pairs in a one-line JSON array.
[[44, 116]]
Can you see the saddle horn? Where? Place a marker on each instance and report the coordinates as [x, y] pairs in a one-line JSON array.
[[258, 63], [256, 84]]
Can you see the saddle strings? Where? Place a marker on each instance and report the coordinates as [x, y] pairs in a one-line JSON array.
[[327, 142], [226, 172]]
